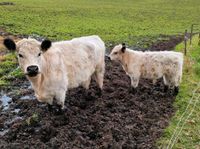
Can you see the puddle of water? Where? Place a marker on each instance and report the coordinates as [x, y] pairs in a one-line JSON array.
[[16, 110], [27, 97], [30, 87], [5, 102]]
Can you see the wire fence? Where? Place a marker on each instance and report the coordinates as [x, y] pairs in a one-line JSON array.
[[194, 29]]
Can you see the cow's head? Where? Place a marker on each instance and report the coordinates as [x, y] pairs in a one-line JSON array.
[[117, 52], [29, 54]]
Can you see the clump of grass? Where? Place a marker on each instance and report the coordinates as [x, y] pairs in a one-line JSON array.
[[9, 69], [197, 69], [32, 120]]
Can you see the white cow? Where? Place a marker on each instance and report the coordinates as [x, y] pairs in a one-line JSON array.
[[53, 68], [150, 65]]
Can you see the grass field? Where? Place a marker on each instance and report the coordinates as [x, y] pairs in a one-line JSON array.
[[116, 21]]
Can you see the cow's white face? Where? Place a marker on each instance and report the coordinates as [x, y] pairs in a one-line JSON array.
[[117, 52], [29, 54]]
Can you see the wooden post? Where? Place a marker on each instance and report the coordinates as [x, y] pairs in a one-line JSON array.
[[185, 42], [191, 33], [199, 39]]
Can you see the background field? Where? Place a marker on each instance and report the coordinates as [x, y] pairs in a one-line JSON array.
[[133, 21], [113, 20]]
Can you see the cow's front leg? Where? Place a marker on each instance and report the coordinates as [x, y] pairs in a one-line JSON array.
[[50, 107], [46, 99], [50, 104], [86, 86], [134, 84], [60, 99]]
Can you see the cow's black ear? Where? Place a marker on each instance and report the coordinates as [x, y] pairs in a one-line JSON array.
[[46, 44], [9, 44], [123, 47]]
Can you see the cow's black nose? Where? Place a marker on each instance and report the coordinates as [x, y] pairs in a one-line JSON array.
[[32, 69], [109, 58]]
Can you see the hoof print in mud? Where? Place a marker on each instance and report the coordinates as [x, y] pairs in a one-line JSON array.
[[46, 133]]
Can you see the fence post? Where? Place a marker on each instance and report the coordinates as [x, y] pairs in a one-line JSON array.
[[199, 39], [185, 42], [191, 33]]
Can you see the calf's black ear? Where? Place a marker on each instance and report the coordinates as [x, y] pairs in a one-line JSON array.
[[9, 44], [123, 47], [46, 44]]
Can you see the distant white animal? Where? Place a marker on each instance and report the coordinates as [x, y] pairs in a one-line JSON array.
[[150, 65], [53, 68]]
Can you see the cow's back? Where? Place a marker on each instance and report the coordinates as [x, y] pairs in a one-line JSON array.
[[95, 44], [80, 56]]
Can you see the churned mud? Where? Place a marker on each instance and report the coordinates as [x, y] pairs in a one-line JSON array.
[[117, 119]]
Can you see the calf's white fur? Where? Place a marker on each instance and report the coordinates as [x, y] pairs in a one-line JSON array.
[[150, 65]]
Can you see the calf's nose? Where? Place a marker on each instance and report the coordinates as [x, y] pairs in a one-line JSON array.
[[108, 57], [32, 69]]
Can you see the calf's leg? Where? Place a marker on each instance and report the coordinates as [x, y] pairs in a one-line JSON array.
[[134, 84], [176, 90], [166, 83], [177, 80]]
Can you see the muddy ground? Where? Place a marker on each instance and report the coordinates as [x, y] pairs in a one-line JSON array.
[[117, 119]]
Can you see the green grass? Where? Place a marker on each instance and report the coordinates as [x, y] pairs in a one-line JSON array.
[[189, 137], [114, 20]]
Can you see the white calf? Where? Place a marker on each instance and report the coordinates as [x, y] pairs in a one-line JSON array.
[[150, 65]]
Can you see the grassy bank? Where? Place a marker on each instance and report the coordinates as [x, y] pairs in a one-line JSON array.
[[186, 121]]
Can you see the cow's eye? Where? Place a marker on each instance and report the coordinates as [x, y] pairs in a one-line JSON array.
[[115, 53], [20, 55], [39, 54]]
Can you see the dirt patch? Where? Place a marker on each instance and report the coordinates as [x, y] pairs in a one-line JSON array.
[[117, 119], [167, 45], [7, 3]]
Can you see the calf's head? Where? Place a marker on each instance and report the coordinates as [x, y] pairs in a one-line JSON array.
[[117, 52], [29, 54]]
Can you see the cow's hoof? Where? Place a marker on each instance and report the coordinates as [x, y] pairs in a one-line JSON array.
[[166, 88], [61, 109], [50, 107], [132, 90], [176, 90], [99, 92]]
